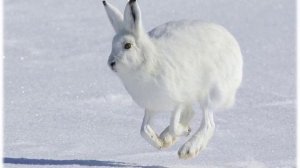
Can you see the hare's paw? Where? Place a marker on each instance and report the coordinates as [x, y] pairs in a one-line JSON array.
[[167, 138], [192, 148], [186, 131], [148, 134], [181, 130]]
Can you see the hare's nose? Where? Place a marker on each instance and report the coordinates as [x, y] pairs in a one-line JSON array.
[[112, 65]]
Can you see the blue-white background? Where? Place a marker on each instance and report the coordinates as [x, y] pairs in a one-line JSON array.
[[65, 108]]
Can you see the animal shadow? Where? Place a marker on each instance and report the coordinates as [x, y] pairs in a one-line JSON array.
[[41, 162]]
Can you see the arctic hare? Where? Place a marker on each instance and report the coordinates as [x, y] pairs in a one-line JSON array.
[[171, 68]]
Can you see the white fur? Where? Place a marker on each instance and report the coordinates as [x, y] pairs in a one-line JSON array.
[[173, 67]]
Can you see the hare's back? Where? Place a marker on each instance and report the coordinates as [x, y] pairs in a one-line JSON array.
[[184, 27], [207, 39], [206, 53], [198, 42], [170, 28]]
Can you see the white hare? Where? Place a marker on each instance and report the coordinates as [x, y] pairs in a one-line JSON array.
[[173, 67]]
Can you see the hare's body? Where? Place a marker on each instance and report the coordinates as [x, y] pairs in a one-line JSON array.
[[173, 67], [194, 61]]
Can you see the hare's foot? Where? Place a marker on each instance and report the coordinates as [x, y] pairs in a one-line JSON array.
[[148, 133], [167, 138], [182, 130], [170, 139], [176, 127], [201, 138], [192, 147], [150, 136]]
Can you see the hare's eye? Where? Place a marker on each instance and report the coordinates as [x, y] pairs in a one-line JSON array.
[[127, 46]]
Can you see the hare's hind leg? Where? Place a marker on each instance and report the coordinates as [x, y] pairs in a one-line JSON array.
[[201, 138], [179, 125], [187, 115], [148, 133]]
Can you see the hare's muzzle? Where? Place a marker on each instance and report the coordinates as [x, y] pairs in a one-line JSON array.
[[112, 65]]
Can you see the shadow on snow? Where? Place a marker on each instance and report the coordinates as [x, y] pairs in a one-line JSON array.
[[25, 161]]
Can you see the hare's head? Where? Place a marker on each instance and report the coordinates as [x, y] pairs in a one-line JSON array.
[[130, 41]]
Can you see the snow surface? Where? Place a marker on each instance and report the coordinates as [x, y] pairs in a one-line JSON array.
[[65, 108]]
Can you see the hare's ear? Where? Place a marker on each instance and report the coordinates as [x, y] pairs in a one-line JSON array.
[[132, 17], [114, 15]]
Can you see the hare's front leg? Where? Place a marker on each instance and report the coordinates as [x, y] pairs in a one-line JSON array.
[[177, 128], [179, 125], [148, 133], [201, 138]]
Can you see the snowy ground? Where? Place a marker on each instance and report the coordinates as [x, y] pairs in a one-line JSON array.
[[65, 108]]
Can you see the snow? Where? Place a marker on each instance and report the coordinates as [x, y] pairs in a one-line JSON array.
[[65, 108]]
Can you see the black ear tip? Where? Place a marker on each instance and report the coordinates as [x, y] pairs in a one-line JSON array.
[[132, 1], [104, 3]]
